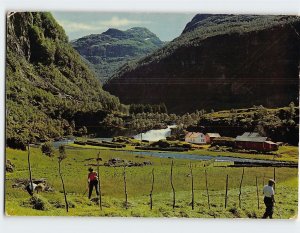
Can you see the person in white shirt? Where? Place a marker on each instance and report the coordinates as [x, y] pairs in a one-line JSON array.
[[269, 199]]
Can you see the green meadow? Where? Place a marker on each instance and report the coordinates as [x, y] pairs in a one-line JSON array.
[[80, 158]]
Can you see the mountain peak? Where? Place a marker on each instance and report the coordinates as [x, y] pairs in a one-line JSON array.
[[113, 32], [141, 32], [113, 48], [200, 19]]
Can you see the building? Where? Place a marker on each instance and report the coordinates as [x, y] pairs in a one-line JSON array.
[[211, 136], [195, 137], [223, 141], [253, 141]]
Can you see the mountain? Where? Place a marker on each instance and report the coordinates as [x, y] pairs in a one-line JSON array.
[[219, 62], [48, 86], [110, 50]]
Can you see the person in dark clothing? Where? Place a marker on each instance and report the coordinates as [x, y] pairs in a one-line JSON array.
[[269, 199], [93, 181]]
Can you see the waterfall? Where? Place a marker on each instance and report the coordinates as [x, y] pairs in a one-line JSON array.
[[156, 134]]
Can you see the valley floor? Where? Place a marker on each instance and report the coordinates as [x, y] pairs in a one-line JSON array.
[[75, 166]]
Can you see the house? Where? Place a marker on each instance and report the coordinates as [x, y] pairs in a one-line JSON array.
[[253, 141], [211, 136], [195, 137], [223, 141]]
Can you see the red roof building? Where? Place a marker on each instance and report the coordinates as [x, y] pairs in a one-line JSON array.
[[253, 141], [211, 136]]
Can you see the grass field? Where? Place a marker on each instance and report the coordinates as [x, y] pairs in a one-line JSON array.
[[139, 184]]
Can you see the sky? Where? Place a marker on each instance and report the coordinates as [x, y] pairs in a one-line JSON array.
[[166, 26]]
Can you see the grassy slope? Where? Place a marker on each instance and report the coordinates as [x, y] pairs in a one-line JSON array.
[[139, 182], [45, 90]]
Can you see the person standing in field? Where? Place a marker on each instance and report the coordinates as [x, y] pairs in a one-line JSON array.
[[269, 199], [93, 181]]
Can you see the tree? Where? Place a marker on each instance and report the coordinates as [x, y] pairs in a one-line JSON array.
[[292, 110], [61, 156], [84, 130]]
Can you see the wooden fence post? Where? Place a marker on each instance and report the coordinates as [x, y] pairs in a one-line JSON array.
[[226, 192], [171, 179], [99, 181], [151, 191], [115, 172], [240, 205], [208, 202], [125, 187], [29, 168], [274, 177], [192, 177], [257, 194], [63, 185]]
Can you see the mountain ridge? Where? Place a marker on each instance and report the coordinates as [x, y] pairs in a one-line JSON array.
[[108, 51], [230, 64]]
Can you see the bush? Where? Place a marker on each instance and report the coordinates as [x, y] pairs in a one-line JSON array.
[[161, 144], [47, 149], [37, 202]]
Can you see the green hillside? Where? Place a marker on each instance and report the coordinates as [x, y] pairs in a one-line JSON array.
[[47, 83]]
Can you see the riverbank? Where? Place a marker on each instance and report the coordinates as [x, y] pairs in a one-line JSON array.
[[284, 154]]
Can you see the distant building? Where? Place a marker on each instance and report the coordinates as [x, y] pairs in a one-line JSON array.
[[253, 141], [209, 137], [223, 141], [195, 137]]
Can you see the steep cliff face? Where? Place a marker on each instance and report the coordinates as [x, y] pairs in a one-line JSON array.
[[47, 82], [110, 50], [219, 61]]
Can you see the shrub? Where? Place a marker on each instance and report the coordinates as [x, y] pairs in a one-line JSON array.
[[47, 149], [37, 202]]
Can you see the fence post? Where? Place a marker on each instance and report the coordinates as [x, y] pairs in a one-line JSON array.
[[240, 205], [171, 178], [115, 172], [29, 168], [274, 177], [125, 187], [257, 194], [226, 192], [99, 182], [192, 177], [151, 191], [208, 202]]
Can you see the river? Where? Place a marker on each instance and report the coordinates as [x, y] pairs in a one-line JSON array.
[[176, 155]]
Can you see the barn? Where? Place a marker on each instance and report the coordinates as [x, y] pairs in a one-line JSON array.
[[253, 141], [211, 136], [195, 137]]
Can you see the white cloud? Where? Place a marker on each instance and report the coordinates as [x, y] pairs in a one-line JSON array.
[[118, 22], [75, 27], [114, 22]]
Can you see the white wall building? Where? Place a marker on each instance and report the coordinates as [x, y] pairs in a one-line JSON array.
[[195, 137]]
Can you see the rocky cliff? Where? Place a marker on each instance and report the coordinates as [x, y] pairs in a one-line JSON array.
[[47, 83], [219, 62]]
